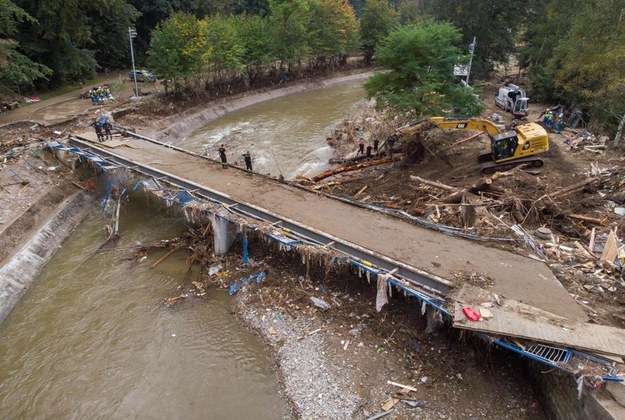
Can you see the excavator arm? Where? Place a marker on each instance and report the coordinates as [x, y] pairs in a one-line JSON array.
[[518, 146]]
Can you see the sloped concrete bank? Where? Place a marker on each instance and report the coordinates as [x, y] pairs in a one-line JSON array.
[[177, 127], [25, 265]]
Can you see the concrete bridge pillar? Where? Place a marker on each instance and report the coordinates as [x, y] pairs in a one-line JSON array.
[[224, 234]]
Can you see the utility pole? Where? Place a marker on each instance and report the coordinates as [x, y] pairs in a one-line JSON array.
[[131, 34], [471, 50]]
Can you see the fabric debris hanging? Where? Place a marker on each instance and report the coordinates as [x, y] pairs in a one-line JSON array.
[[381, 298]]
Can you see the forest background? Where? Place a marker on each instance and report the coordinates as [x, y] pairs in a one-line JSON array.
[[572, 51]]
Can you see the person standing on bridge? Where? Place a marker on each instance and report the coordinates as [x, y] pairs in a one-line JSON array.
[[107, 130], [376, 144], [369, 155], [248, 161], [222, 156], [98, 131]]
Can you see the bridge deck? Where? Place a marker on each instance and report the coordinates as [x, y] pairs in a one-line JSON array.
[[514, 276]]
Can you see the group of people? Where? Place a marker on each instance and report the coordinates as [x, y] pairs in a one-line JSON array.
[[551, 121], [247, 157], [375, 148], [103, 128], [99, 94]]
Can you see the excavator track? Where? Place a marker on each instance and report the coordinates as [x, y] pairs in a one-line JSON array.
[[490, 167]]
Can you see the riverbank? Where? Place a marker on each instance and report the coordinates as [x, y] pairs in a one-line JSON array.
[[336, 362], [175, 128]]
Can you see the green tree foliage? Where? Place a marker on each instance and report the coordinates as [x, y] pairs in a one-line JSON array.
[[70, 36], [332, 30], [575, 53], [495, 25], [17, 72], [179, 47], [378, 18], [421, 81], [109, 28], [256, 45], [287, 30], [588, 63], [227, 49]]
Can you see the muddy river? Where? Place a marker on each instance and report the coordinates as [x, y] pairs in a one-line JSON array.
[[91, 337], [286, 135]]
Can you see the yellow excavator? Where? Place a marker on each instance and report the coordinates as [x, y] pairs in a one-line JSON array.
[[508, 148]]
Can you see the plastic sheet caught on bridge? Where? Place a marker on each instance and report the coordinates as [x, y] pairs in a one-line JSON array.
[[97, 160]]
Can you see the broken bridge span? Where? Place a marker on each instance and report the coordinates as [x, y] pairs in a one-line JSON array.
[[429, 263]]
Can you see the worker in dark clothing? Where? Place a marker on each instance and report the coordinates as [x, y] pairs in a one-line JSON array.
[[390, 143], [361, 148], [376, 143], [222, 156], [98, 131], [369, 156], [107, 130], [248, 161]]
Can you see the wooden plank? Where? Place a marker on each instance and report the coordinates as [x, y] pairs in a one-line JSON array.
[[514, 319], [611, 248]]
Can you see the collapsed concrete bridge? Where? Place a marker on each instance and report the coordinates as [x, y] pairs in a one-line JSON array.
[[397, 247]]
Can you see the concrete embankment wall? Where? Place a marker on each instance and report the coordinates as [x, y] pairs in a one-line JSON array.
[[26, 264], [174, 129], [559, 397]]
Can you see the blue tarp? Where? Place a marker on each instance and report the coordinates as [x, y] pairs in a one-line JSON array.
[[235, 287]]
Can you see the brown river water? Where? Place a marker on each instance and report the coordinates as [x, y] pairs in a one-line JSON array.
[[286, 135], [91, 337]]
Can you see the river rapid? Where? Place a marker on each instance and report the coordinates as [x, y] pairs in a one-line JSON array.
[[286, 136]]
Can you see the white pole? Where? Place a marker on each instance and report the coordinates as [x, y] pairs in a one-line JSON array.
[[471, 50], [132, 34]]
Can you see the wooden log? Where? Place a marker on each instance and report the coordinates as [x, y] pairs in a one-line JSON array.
[[433, 183], [602, 222], [342, 169], [570, 188], [360, 191], [584, 251], [513, 171], [591, 244], [171, 251]]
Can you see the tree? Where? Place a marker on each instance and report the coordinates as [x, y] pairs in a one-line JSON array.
[[256, 46], [17, 72], [179, 47], [378, 18], [420, 81], [287, 28], [227, 48], [332, 29], [495, 25], [587, 64], [110, 33]]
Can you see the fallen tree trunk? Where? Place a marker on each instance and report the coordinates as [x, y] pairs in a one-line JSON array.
[[342, 169], [433, 183], [570, 188], [602, 222]]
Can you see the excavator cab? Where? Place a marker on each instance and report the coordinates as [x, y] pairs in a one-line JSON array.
[[504, 145]]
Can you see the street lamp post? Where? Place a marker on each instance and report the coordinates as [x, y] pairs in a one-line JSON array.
[[471, 51], [131, 34]]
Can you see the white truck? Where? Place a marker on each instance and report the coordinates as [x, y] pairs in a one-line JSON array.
[[511, 98]]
